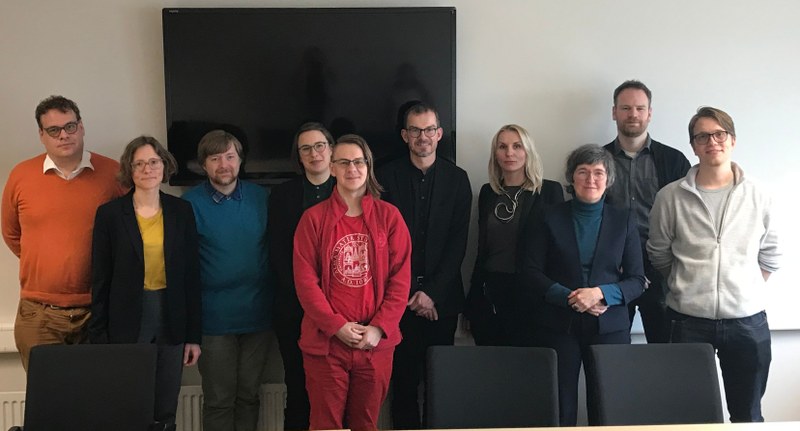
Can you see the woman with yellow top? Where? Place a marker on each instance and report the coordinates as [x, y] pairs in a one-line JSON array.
[[145, 285]]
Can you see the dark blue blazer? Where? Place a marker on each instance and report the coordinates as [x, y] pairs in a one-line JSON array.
[[552, 257], [118, 272]]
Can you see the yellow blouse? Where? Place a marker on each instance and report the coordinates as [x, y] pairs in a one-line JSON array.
[[152, 230]]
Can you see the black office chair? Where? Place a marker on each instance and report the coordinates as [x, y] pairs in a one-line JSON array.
[[491, 387], [90, 387], [650, 384]]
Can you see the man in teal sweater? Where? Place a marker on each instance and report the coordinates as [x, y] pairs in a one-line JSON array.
[[231, 219]]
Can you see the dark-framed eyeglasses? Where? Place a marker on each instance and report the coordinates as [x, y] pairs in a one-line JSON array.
[[153, 163], [703, 138], [429, 131], [345, 163], [55, 131], [317, 146]]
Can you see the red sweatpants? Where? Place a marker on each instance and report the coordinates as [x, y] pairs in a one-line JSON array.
[[347, 383]]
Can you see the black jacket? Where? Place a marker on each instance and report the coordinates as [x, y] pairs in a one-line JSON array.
[[284, 211], [118, 272], [448, 226], [551, 193]]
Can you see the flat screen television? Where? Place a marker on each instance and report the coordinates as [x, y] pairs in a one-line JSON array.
[[261, 73]]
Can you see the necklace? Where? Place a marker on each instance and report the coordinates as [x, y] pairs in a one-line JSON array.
[[504, 208]]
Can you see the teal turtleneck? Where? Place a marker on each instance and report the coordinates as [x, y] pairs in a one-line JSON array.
[[586, 218]]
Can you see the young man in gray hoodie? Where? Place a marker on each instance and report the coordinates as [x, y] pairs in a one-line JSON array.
[[712, 234]]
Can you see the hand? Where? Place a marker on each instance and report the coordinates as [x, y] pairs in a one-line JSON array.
[[420, 300], [191, 353], [430, 314], [372, 336], [584, 298], [351, 333], [597, 309]]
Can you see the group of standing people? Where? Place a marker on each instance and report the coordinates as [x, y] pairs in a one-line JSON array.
[[690, 247], [107, 257], [362, 269]]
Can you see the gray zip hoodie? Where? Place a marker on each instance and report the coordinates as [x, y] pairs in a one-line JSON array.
[[714, 275]]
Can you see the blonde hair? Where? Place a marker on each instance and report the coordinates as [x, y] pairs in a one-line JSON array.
[[533, 164]]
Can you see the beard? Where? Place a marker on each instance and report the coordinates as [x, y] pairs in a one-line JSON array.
[[632, 130], [422, 151], [221, 180]]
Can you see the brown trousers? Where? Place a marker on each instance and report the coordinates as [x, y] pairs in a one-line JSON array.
[[39, 323]]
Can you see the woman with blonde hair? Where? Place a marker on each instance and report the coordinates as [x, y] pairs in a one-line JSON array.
[[507, 205]]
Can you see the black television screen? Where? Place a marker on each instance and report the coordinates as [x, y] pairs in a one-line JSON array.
[[261, 73]]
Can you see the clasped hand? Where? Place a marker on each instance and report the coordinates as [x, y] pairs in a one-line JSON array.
[[358, 336], [587, 300]]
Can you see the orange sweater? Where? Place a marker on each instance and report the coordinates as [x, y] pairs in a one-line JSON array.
[[47, 222]]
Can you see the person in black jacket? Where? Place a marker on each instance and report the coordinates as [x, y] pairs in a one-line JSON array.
[[287, 202], [643, 167], [145, 271], [514, 194], [581, 270], [434, 196]]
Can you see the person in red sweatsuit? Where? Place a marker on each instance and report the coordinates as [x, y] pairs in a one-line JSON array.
[[352, 272]]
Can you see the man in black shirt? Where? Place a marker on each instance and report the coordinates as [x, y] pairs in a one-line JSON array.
[[434, 196]]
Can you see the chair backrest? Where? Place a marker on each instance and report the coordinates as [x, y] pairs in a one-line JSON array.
[[648, 384], [91, 387], [491, 387]]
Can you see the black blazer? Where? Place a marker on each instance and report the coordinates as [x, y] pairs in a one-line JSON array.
[[284, 212], [448, 226], [553, 257], [550, 194], [118, 272]]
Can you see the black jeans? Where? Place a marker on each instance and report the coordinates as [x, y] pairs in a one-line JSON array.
[[496, 320], [572, 350], [296, 413], [409, 366], [744, 348], [169, 362]]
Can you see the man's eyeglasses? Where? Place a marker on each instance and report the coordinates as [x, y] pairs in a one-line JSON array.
[[345, 163], [55, 131], [429, 131], [318, 147], [153, 163], [702, 138]]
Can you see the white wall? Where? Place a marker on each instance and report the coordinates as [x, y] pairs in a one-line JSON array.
[[548, 65]]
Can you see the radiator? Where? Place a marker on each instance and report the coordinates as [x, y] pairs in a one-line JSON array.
[[190, 408], [12, 406], [189, 414]]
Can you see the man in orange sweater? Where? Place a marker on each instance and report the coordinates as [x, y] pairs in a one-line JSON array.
[[48, 210]]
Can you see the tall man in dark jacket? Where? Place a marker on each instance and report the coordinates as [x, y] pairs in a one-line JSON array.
[[435, 198], [643, 167]]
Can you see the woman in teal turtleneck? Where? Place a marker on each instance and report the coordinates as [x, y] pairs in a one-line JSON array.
[[583, 266]]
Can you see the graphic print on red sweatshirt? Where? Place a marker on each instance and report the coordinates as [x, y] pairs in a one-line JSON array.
[[350, 256]]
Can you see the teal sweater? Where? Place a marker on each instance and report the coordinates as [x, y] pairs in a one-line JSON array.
[[236, 286]]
